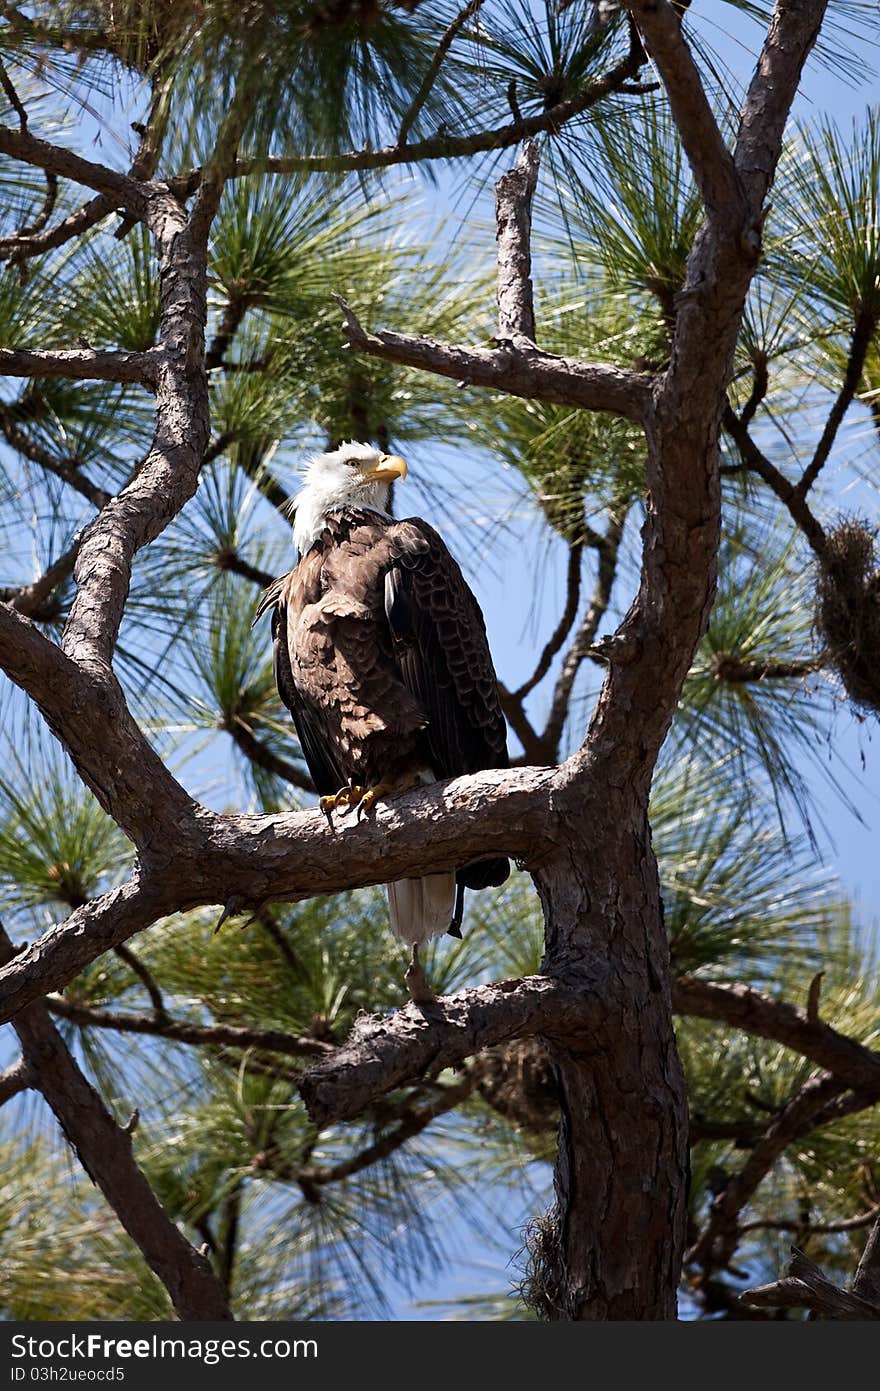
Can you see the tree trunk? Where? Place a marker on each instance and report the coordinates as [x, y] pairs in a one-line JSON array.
[[611, 1248]]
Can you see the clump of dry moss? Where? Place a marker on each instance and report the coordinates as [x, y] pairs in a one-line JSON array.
[[541, 1289], [848, 609]]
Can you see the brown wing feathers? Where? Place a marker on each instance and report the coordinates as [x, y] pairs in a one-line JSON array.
[[441, 650], [381, 657]]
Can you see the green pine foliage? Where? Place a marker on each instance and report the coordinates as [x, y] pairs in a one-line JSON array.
[[223, 1136]]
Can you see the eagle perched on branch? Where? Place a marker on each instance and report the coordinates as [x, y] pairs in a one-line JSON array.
[[381, 657]]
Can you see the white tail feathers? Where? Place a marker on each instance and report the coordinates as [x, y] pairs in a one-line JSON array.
[[421, 908]]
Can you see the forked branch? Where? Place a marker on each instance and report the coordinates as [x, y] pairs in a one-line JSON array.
[[565, 381], [805, 1287], [422, 1040]]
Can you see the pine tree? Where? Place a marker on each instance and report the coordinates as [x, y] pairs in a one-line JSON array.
[[209, 214]]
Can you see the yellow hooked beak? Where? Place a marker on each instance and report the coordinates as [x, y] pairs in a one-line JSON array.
[[390, 467]]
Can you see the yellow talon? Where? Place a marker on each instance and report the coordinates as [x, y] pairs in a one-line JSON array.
[[371, 795], [349, 796], [364, 798]]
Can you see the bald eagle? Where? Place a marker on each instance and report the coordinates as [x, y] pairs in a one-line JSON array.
[[381, 657]]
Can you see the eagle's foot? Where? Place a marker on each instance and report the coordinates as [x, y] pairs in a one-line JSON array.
[[348, 796], [386, 789], [372, 795], [364, 798], [416, 981]]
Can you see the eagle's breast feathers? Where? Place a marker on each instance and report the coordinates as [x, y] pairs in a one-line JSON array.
[[380, 649]]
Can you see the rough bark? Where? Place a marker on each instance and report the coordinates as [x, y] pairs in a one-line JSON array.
[[513, 217], [621, 1172], [245, 861], [424, 1039], [603, 914], [565, 381], [80, 364]]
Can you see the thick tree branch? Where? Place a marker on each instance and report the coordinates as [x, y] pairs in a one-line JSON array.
[[246, 861], [166, 480], [710, 160], [794, 28], [105, 1151], [533, 374], [657, 640], [169, 475], [82, 364], [90, 718], [298, 855], [805, 1287], [422, 1040], [122, 188], [743, 1008]]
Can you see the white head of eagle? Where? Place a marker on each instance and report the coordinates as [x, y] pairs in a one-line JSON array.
[[354, 475]]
